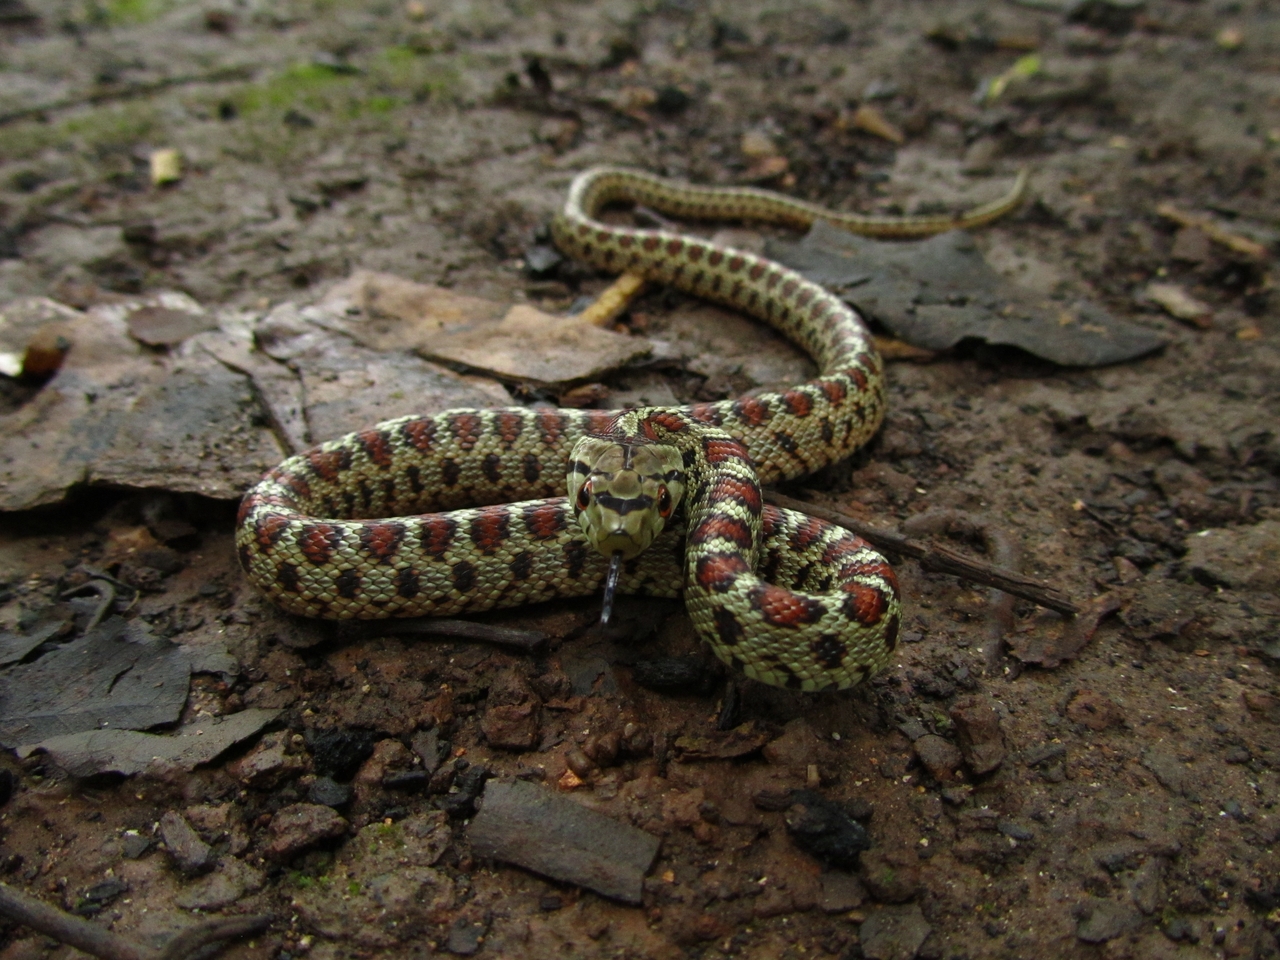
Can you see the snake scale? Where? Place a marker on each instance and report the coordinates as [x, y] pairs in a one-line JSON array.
[[465, 510]]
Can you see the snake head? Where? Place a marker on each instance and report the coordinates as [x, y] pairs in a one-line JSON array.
[[623, 492]]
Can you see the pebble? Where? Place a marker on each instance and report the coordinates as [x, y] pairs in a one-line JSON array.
[[231, 881], [841, 892], [891, 876], [465, 936], [823, 829], [893, 933], [1094, 710], [978, 730], [1237, 558], [338, 752], [797, 747], [941, 757], [513, 714], [1145, 887], [1102, 920], [301, 825], [267, 765], [328, 792], [191, 855]]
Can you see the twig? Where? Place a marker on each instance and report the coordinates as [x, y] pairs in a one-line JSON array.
[[526, 641], [937, 557], [129, 92], [100, 942], [1247, 248]]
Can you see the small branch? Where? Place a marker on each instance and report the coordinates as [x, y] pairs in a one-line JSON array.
[[99, 942], [526, 641], [937, 557], [128, 92]]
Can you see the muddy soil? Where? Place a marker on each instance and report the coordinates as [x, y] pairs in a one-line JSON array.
[[1121, 803]]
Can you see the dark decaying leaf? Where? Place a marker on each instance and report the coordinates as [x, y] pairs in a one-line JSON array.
[[117, 676], [934, 293]]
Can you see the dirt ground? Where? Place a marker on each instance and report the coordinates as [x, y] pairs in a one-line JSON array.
[[1121, 803]]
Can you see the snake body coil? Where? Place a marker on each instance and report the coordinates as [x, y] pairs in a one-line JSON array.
[[354, 528]]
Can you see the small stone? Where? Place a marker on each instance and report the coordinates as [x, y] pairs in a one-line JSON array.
[[267, 765], [301, 825], [1094, 711], [1238, 558], [978, 730], [191, 855], [893, 933], [841, 892], [427, 747], [797, 747], [465, 936], [134, 845], [231, 881], [823, 829], [513, 714], [329, 793], [891, 876], [941, 757], [1145, 887], [1102, 920]]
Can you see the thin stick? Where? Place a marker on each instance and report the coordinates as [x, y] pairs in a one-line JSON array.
[[937, 557], [526, 641]]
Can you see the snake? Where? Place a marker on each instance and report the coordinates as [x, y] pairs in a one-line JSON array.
[[478, 509]]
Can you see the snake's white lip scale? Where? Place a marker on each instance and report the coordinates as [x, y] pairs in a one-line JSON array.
[[459, 512]]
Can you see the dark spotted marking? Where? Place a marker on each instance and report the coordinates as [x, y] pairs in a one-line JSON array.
[[510, 425], [382, 539], [834, 388], [798, 402], [626, 241], [419, 434], [450, 472], [652, 242], [705, 413], [575, 558], [522, 566], [674, 246], [786, 442], [366, 493], [599, 421], [389, 491], [544, 521], [318, 542], [287, 577], [829, 650], [728, 629], [348, 584], [891, 633], [551, 425], [695, 252], [414, 476], [752, 411], [757, 270], [269, 529], [717, 572], [746, 493], [790, 286], [464, 577], [715, 258], [377, 447], [805, 296], [245, 556], [408, 583], [532, 467], [490, 529], [328, 465], [491, 467], [724, 450], [715, 527], [806, 534], [782, 608], [435, 533], [466, 429], [247, 503], [736, 263], [865, 605]]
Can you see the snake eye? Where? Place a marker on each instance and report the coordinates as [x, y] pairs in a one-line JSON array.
[[584, 496], [664, 503]]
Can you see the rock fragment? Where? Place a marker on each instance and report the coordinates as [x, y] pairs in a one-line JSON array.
[[539, 830], [978, 730], [301, 825], [191, 855], [893, 933]]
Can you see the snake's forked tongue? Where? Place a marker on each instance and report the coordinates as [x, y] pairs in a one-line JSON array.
[[611, 586]]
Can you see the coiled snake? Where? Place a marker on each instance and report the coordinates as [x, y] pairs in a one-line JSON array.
[[671, 496]]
